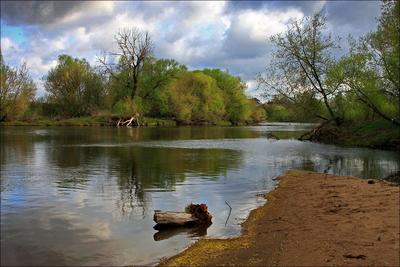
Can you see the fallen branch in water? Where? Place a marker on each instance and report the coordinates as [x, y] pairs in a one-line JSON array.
[[314, 131], [230, 210]]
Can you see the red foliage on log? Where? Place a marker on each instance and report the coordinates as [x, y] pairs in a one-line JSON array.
[[200, 211]]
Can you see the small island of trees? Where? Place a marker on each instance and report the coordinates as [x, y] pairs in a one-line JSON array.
[[128, 82]]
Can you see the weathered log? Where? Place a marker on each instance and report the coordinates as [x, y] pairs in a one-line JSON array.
[[173, 218], [196, 214]]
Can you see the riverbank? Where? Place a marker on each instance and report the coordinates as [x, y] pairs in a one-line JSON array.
[[311, 219], [83, 121], [378, 134], [106, 121]]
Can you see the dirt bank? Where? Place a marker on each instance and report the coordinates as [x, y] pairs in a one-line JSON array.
[[312, 219]]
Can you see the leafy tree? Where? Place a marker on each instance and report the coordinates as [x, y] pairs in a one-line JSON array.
[[74, 87], [157, 74], [383, 46], [258, 113], [17, 90], [237, 105], [195, 96], [362, 84], [301, 62], [370, 73]]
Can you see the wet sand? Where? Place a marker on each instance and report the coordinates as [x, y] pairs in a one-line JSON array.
[[311, 219]]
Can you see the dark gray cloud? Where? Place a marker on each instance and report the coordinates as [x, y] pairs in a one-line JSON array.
[[307, 7], [240, 5], [354, 17], [37, 12]]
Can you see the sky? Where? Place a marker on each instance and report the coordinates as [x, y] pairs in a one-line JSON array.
[[232, 36]]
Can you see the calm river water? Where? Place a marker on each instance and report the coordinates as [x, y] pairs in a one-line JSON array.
[[86, 196]]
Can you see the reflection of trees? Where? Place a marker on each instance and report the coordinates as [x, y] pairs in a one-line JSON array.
[[141, 169], [14, 145], [132, 195], [14, 148], [161, 168], [361, 165], [136, 169], [185, 133]]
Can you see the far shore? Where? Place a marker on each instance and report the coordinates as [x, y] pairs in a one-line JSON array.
[[311, 219], [372, 134]]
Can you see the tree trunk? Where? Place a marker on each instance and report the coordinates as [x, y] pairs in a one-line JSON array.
[[173, 218]]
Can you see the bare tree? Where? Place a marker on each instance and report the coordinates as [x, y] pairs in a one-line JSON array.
[[134, 47], [301, 62]]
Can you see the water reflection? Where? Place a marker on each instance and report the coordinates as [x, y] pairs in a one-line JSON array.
[[191, 232], [85, 196]]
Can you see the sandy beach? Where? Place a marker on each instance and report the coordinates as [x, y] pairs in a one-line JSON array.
[[311, 219]]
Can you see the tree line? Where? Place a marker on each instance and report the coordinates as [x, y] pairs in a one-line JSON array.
[[126, 82], [308, 81]]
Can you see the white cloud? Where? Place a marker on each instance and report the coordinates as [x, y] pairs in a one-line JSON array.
[[7, 45], [258, 25], [38, 66], [247, 36], [199, 34]]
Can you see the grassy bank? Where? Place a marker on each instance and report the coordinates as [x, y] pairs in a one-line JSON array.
[[374, 134], [328, 220], [83, 121], [104, 121]]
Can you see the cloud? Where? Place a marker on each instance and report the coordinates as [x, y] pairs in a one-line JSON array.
[[8, 46], [229, 35], [52, 12], [250, 29]]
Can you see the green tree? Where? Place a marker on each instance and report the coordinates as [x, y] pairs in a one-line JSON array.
[[300, 64], [258, 113], [17, 90], [361, 83], [74, 87], [156, 75], [195, 97], [370, 73], [238, 107]]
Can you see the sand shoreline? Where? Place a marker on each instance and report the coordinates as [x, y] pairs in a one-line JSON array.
[[311, 219]]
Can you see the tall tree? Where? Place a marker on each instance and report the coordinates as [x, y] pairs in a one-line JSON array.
[[74, 87], [134, 47], [237, 105], [157, 74], [371, 71], [17, 90], [301, 62]]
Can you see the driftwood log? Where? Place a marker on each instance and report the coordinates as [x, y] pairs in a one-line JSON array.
[[173, 218], [125, 121], [195, 214]]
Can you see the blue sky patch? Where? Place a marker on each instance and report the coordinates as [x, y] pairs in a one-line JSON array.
[[15, 33]]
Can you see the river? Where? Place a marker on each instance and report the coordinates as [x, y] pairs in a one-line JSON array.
[[86, 195]]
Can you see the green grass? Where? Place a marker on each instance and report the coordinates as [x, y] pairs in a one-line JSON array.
[[158, 122], [80, 121]]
